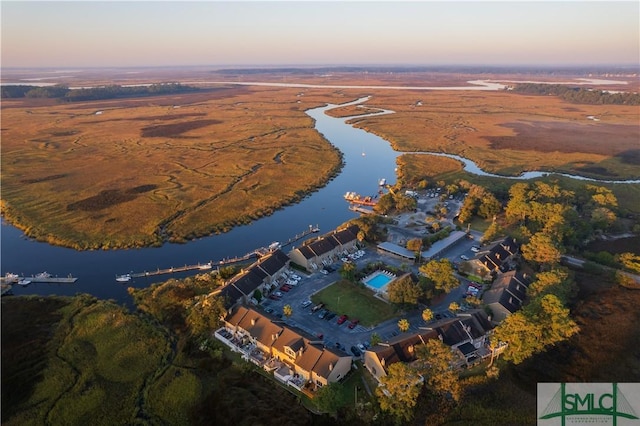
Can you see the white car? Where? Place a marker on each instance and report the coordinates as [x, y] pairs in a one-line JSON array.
[[295, 277], [464, 257], [475, 249], [324, 272]]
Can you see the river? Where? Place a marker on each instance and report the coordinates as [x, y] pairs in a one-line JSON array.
[[368, 158]]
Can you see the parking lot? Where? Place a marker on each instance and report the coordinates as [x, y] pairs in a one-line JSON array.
[[342, 335]]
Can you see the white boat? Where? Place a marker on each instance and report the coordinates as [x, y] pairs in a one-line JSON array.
[[382, 182], [123, 278], [11, 278], [205, 266], [43, 275], [24, 282]]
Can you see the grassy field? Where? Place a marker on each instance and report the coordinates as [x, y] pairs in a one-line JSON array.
[[345, 297], [93, 363], [134, 172], [507, 133]]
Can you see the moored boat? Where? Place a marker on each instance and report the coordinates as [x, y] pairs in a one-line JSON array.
[[24, 282], [123, 278]]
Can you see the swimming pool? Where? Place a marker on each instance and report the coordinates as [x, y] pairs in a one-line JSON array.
[[378, 280]]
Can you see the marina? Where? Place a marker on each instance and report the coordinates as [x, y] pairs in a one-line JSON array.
[[257, 253], [42, 277]]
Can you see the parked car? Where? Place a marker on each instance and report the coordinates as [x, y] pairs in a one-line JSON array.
[[278, 294], [273, 297], [355, 351], [317, 307], [464, 257], [342, 319], [285, 288], [330, 316], [323, 314], [353, 323], [475, 249], [320, 336], [306, 303], [324, 272]]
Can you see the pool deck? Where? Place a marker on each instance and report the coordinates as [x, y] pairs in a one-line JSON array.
[[375, 274]]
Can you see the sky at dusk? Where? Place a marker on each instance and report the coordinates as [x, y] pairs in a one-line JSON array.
[[98, 34]]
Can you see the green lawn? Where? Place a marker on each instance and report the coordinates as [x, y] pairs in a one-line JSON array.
[[345, 297]]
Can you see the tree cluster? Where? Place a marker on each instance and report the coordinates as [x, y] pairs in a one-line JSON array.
[[479, 201], [66, 94], [578, 95]]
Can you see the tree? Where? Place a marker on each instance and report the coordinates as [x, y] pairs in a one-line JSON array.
[[287, 310], [399, 391], [554, 319], [441, 273], [257, 294], [630, 261], [492, 231], [328, 397], [427, 315], [348, 271], [385, 204], [414, 244], [435, 360], [404, 325], [555, 281], [522, 336], [375, 339], [204, 316], [454, 307], [404, 291], [541, 248]]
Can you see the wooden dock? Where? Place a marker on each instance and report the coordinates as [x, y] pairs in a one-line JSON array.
[[260, 252]]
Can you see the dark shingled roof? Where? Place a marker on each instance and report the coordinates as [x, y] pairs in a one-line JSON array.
[[399, 349], [307, 252], [345, 236], [322, 246], [230, 295], [248, 282], [467, 349], [273, 262], [509, 289]]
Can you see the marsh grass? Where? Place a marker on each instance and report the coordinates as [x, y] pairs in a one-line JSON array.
[[507, 133], [97, 362], [72, 178]]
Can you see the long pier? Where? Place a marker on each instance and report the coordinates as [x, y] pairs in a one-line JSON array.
[[257, 253]]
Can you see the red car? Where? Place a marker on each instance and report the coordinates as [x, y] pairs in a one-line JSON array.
[[273, 297], [342, 319], [285, 288], [353, 323]]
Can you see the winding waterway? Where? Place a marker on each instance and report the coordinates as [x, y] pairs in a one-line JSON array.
[[367, 158]]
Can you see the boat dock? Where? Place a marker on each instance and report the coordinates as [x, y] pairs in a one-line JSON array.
[[362, 210], [43, 277], [262, 251]]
